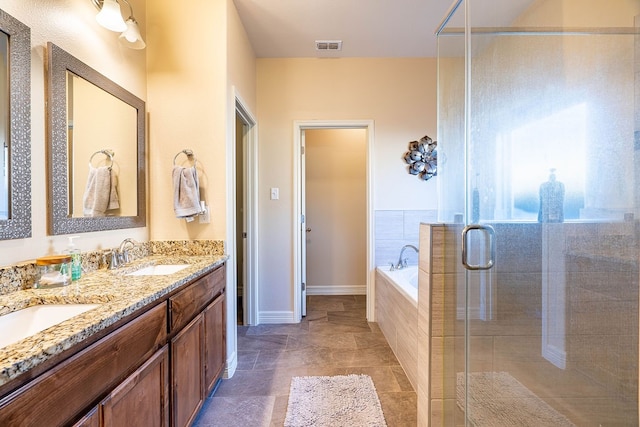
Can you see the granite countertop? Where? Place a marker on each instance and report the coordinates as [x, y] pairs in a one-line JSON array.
[[118, 295]]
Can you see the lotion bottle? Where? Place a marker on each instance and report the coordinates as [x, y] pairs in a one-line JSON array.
[[76, 259]]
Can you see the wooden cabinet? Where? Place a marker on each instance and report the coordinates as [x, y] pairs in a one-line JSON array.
[[62, 394], [198, 350], [143, 398], [191, 301], [215, 342], [92, 419], [186, 372], [156, 369]]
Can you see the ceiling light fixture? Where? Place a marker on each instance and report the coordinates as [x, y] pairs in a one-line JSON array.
[[110, 17]]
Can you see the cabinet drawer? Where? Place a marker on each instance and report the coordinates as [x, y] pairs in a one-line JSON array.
[[58, 396], [188, 303]]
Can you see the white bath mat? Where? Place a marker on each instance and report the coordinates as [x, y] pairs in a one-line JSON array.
[[496, 399], [336, 401]]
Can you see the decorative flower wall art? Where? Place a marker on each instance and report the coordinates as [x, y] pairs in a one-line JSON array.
[[422, 158]]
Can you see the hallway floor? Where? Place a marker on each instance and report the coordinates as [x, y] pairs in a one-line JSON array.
[[333, 339]]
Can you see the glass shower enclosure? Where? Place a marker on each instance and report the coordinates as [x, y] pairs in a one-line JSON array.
[[539, 183]]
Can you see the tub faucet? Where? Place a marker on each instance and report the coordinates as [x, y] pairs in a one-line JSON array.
[[402, 262]]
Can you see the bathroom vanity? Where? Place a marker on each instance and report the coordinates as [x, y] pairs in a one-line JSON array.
[[148, 355]]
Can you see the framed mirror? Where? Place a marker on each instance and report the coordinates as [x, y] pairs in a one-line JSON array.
[[15, 128], [96, 149]]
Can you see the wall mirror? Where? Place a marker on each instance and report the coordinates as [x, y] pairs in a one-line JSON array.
[[96, 149], [15, 128]]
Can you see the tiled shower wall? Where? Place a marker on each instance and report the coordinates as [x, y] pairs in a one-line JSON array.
[[396, 228]]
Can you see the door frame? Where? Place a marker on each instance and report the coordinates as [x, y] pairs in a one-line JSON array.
[[239, 108], [298, 127], [250, 162]]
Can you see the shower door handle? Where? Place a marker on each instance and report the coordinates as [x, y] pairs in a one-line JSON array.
[[491, 234]]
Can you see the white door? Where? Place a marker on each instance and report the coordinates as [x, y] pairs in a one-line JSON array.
[[335, 211], [303, 230]]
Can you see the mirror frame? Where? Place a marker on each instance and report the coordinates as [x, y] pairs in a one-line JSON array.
[[18, 225], [60, 221]]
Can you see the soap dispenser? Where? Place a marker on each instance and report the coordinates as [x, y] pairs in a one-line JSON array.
[[76, 259]]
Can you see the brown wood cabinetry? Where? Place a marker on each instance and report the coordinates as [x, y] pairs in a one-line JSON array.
[[215, 341], [186, 372], [59, 395], [92, 419], [143, 398], [189, 302], [125, 378], [194, 345]]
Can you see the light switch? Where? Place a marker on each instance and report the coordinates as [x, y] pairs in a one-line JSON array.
[[275, 193]]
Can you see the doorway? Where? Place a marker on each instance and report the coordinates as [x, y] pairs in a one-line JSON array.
[[326, 263], [336, 215], [240, 222], [245, 216]]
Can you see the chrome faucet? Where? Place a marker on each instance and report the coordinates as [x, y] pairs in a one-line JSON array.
[[402, 262], [114, 258], [123, 253], [110, 258]]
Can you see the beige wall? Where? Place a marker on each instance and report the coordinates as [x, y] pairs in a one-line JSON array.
[[190, 79], [397, 94], [186, 61], [71, 25], [336, 210]]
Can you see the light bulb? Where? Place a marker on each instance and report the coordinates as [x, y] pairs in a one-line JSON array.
[[131, 36], [110, 16]]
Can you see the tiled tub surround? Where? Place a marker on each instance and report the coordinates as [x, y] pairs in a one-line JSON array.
[[396, 228], [119, 295], [397, 317]]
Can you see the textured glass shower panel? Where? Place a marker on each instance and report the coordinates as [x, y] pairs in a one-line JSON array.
[[448, 338], [538, 130]]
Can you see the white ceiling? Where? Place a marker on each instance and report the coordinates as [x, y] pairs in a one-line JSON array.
[[368, 28]]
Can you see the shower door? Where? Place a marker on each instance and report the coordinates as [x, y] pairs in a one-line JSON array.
[[540, 107]]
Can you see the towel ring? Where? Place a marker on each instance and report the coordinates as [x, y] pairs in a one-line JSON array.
[[107, 152], [186, 152]]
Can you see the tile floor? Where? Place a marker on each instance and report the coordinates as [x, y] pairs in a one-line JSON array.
[[333, 339]]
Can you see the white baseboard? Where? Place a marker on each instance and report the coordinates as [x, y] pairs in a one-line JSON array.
[[337, 290], [271, 317], [232, 364], [555, 356]]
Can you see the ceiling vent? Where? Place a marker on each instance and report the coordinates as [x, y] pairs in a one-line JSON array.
[[328, 44]]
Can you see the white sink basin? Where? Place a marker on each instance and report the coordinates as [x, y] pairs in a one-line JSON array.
[[29, 321], [159, 270]]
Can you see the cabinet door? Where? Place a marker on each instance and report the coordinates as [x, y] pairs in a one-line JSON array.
[[214, 341], [92, 419], [187, 361], [143, 398]]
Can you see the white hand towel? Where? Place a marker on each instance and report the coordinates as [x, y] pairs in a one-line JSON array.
[[186, 192], [100, 194]]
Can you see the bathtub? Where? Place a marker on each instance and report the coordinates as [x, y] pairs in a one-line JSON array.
[[405, 279], [396, 298]]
